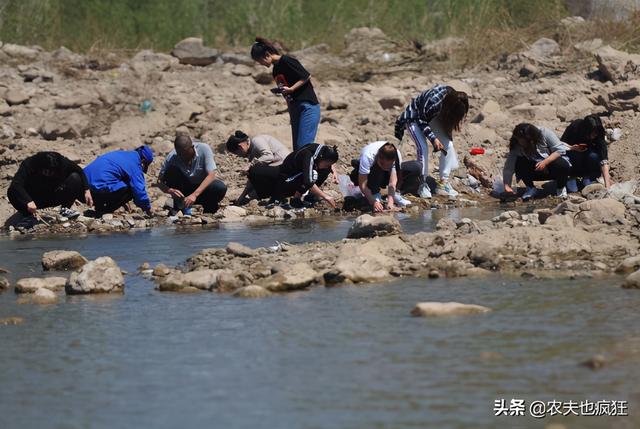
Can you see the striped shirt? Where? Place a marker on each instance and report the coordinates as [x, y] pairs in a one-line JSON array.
[[423, 109]]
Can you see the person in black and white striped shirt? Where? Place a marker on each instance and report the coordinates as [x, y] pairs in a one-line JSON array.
[[434, 115]]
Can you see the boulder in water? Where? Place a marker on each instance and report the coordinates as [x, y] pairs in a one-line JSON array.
[[251, 291], [62, 260], [632, 281], [293, 277], [32, 284], [426, 309], [372, 226], [99, 276]]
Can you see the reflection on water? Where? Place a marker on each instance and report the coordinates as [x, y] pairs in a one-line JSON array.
[[345, 357]]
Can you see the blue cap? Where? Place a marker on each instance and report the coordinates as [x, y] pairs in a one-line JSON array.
[[146, 154]]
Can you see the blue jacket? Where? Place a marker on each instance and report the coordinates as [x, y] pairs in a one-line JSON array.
[[116, 170]]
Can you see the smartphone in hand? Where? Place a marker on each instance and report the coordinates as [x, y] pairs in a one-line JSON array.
[[277, 90]]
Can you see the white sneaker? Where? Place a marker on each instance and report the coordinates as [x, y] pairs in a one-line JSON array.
[[445, 188], [572, 186], [562, 192], [586, 182], [529, 193], [424, 191], [400, 200]]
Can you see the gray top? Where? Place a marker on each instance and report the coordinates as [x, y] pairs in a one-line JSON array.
[[550, 143], [266, 149], [201, 165]]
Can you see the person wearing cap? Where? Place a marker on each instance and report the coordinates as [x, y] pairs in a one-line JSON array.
[[260, 149], [48, 179], [117, 177], [189, 176]]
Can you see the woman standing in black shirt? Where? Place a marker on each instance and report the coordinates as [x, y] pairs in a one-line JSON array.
[[294, 83]]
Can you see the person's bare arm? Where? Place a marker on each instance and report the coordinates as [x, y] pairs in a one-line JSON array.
[[190, 199]]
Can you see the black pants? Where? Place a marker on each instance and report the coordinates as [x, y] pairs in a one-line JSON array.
[[378, 178], [585, 164], [209, 199], [109, 202], [268, 183], [558, 170], [43, 196]]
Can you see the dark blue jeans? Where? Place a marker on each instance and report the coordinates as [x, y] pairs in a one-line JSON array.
[[305, 118]]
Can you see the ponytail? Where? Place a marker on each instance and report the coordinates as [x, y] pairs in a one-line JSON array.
[[263, 47]]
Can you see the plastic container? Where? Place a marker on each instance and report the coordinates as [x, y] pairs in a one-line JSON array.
[[477, 151], [146, 106]]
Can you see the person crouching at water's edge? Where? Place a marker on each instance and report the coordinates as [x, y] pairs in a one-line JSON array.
[[379, 167], [434, 115], [294, 83], [303, 170], [189, 176], [117, 177], [536, 153]]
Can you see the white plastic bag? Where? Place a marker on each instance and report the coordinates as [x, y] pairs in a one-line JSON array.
[[347, 188]]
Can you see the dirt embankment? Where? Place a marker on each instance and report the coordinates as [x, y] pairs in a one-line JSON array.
[[83, 107]]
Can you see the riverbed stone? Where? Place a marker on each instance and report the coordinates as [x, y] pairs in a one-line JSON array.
[[101, 275], [426, 309], [4, 284], [251, 291], [599, 211], [200, 279], [15, 97], [240, 250], [294, 277], [62, 260], [193, 52], [8, 321], [629, 265], [372, 226], [32, 284], [632, 281], [44, 296], [161, 270]]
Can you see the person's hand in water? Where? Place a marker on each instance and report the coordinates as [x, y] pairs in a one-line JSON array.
[[31, 207], [329, 201]]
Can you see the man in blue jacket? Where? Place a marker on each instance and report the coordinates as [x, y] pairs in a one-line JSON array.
[[117, 177]]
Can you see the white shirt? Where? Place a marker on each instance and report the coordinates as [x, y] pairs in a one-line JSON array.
[[368, 156]]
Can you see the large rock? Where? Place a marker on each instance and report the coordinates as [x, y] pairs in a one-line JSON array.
[[32, 284], [240, 250], [15, 97], [99, 276], [599, 211], [251, 291], [425, 309], [629, 265], [372, 226], [147, 61], [624, 96], [632, 281], [388, 98], [294, 277], [20, 52], [542, 49], [62, 260], [192, 51], [369, 44], [44, 296], [75, 101], [52, 130], [200, 279], [603, 9], [617, 66], [232, 214]]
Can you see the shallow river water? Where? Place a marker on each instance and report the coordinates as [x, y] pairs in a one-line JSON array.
[[343, 357]]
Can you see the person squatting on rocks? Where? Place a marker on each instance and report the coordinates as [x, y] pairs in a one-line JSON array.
[[434, 115], [536, 153], [189, 176], [48, 179], [379, 167], [260, 149], [294, 83], [117, 177], [303, 170], [588, 152]]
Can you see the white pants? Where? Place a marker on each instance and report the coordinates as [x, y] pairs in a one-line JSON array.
[[448, 163]]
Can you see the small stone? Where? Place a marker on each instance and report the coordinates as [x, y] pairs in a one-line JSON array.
[[161, 270], [15, 97], [296, 276], [629, 265], [240, 250], [596, 362], [434, 274], [632, 281], [33, 284], [4, 284], [251, 291], [425, 309], [99, 276], [44, 296]]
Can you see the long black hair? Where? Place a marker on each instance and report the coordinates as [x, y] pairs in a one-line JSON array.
[[455, 106], [528, 133], [234, 141], [591, 124], [263, 47], [329, 153]]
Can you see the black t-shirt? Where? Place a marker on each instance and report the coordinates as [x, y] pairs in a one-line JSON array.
[[577, 133], [287, 71]]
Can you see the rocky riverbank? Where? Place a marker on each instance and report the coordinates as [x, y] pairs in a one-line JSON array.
[[82, 107]]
